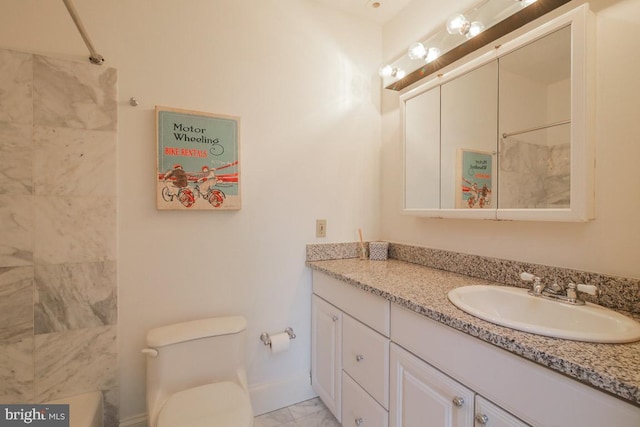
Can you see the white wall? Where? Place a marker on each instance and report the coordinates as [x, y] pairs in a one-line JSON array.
[[302, 79], [611, 243]]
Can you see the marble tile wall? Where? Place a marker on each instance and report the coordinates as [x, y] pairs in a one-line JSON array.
[[58, 264], [534, 175]]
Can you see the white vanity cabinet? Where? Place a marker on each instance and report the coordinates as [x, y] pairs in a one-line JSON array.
[[350, 352], [379, 364]]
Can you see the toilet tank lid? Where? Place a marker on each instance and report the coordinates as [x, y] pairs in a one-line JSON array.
[[196, 329]]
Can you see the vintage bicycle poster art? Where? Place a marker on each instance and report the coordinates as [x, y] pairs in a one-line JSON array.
[[198, 160], [474, 179]]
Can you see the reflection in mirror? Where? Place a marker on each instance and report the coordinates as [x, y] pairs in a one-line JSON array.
[[422, 151], [534, 124], [468, 139]]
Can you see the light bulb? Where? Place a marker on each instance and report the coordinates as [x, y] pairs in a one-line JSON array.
[[417, 51], [385, 71], [475, 28], [525, 3], [389, 71], [432, 54], [456, 23]]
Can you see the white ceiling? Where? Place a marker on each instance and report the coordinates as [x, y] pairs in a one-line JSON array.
[[364, 8]]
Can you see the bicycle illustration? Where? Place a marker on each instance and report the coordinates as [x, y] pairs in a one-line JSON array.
[[213, 195], [176, 185], [188, 187]]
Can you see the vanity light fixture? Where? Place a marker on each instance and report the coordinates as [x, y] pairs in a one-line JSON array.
[[458, 24], [389, 71], [480, 25], [475, 28], [418, 51]]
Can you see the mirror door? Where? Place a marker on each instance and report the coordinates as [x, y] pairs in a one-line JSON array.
[[469, 121], [422, 151], [535, 124]]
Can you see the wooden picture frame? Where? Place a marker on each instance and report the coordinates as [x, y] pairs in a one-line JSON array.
[[198, 160]]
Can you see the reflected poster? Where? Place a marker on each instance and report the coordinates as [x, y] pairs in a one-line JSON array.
[[474, 179]]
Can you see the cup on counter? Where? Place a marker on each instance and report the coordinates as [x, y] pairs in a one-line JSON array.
[[378, 251]]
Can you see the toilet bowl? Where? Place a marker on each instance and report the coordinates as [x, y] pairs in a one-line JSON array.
[[196, 375]]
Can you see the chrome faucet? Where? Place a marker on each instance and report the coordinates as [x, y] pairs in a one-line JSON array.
[[538, 286], [556, 292]]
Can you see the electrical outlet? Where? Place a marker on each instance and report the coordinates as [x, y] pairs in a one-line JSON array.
[[321, 228]]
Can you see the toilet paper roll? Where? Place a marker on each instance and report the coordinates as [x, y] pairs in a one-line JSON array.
[[279, 342]]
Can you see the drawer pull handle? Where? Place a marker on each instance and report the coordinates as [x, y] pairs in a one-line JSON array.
[[359, 421], [359, 358], [482, 419], [334, 318], [458, 401]]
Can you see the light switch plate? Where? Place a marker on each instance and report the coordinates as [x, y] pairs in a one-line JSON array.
[[321, 228]]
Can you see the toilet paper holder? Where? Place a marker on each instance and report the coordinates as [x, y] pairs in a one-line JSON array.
[[266, 339]]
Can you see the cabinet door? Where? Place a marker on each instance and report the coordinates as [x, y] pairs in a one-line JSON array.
[[423, 396], [326, 354], [490, 415]]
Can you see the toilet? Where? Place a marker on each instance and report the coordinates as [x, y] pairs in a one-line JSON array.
[[196, 375]]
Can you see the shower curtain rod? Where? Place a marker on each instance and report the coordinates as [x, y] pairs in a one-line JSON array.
[[95, 57]]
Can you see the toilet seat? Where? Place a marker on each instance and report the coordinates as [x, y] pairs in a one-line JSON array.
[[218, 404]]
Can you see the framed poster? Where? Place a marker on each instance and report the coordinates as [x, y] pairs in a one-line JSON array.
[[474, 179], [198, 160]]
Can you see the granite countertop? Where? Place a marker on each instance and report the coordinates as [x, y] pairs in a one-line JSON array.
[[612, 368]]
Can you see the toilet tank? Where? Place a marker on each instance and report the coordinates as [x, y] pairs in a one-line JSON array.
[[194, 353]]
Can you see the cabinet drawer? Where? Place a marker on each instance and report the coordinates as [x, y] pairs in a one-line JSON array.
[[370, 309], [365, 357], [359, 409], [494, 416]]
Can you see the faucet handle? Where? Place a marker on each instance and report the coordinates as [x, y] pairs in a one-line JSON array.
[[588, 289], [537, 282], [572, 289]]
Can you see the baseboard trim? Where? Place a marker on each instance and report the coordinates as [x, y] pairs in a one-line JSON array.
[[268, 397], [139, 420]]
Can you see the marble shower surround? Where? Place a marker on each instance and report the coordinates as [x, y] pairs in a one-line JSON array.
[[58, 266], [618, 293]]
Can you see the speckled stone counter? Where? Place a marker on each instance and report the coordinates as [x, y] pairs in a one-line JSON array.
[[612, 368]]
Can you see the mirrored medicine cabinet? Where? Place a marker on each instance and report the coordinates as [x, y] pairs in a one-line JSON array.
[[506, 135]]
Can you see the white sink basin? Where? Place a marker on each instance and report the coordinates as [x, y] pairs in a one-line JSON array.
[[516, 309]]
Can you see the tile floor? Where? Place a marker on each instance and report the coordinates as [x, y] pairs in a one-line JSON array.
[[310, 413]]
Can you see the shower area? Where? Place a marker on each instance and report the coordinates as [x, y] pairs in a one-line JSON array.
[[58, 257]]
